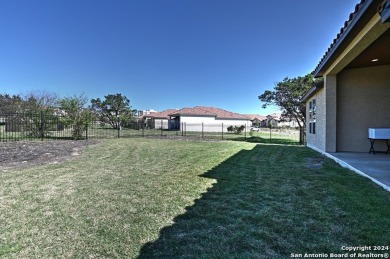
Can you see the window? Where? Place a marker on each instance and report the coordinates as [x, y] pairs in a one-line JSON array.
[[312, 116], [314, 108]]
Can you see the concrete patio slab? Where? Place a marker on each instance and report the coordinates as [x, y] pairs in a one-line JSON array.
[[376, 167]]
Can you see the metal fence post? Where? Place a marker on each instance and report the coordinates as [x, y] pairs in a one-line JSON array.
[[245, 130], [270, 138], [118, 127], [161, 127], [86, 130], [202, 131], [41, 126], [222, 130]]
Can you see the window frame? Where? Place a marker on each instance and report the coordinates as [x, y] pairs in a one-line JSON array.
[[312, 116]]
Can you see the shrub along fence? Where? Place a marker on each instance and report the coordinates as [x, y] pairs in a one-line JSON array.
[[14, 127]]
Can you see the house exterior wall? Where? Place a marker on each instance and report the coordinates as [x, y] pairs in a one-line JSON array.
[[363, 101], [227, 123], [160, 123], [210, 124], [330, 86], [197, 119], [317, 140]]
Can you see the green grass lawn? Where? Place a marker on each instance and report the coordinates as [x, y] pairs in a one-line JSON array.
[[276, 136], [153, 198]]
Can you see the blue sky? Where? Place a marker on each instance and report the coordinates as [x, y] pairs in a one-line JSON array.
[[164, 53]]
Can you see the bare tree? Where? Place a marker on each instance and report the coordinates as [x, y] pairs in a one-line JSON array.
[[39, 101], [38, 109]]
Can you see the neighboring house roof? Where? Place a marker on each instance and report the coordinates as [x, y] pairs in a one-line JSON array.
[[346, 30], [198, 110], [275, 116], [147, 112], [210, 112], [160, 115], [255, 117]]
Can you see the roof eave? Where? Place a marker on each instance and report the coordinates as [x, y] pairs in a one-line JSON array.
[[188, 114], [226, 118], [309, 93], [321, 68]]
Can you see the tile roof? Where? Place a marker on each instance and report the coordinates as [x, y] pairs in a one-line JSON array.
[[160, 115], [276, 116], [341, 34], [210, 111], [256, 116]]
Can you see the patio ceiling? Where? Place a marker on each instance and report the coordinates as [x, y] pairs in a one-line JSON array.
[[378, 50]]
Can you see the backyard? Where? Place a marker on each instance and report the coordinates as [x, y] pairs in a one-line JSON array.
[[167, 198]]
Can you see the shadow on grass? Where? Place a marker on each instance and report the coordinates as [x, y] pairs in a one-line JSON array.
[[256, 139], [267, 202]]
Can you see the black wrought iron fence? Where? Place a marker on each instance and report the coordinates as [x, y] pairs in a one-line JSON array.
[[22, 126]]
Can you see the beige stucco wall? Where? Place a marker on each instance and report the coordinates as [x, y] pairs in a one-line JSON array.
[[363, 101], [330, 86], [317, 140]]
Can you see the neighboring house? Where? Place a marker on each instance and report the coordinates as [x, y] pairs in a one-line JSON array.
[[146, 112], [212, 119], [355, 92], [255, 119], [271, 120], [157, 120]]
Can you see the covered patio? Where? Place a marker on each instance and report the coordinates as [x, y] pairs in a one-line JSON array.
[[355, 93]]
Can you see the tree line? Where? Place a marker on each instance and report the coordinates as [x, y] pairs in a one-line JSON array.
[[75, 111]]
